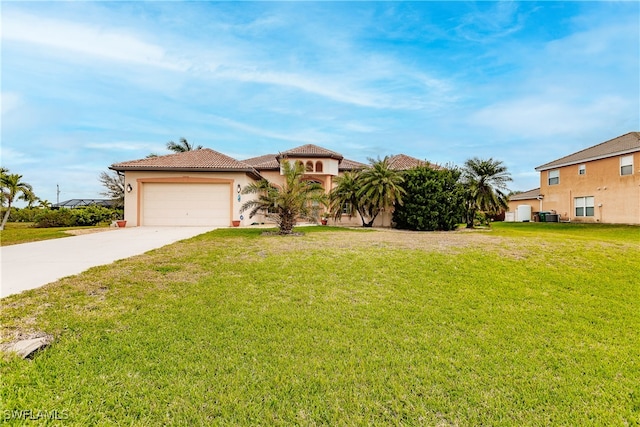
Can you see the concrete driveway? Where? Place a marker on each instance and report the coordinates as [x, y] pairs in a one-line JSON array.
[[31, 265]]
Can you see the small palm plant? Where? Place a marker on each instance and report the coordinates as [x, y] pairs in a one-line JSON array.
[[13, 188], [485, 181], [296, 199]]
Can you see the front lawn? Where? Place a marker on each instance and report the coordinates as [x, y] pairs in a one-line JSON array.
[[24, 232], [513, 326]]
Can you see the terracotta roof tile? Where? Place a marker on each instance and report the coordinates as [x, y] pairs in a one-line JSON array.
[[268, 161], [627, 143], [347, 165], [203, 159], [404, 162], [310, 150]]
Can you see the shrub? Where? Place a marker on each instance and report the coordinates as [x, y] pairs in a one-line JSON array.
[[433, 200], [24, 214], [92, 215], [55, 218]]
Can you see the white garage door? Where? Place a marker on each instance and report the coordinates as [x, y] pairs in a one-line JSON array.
[[186, 204]]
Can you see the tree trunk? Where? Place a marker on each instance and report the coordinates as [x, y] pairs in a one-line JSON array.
[[5, 218]]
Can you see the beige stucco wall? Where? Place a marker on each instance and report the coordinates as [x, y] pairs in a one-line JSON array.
[[616, 197], [326, 178], [534, 203], [136, 179]]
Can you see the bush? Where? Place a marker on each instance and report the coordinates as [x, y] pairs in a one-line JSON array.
[[92, 215], [55, 218], [85, 216], [434, 200], [24, 214]]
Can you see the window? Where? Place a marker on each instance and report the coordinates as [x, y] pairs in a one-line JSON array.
[[584, 206], [582, 169], [309, 166], [554, 177], [318, 166], [346, 208], [626, 165]]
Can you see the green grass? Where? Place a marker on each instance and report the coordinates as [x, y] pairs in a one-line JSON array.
[[23, 232], [521, 325]]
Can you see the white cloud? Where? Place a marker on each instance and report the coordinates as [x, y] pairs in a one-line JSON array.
[[307, 137], [106, 43], [121, 145], [12, 157], [10, 101], [542, 116]]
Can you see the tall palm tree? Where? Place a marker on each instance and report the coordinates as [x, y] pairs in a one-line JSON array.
[[182, 146], [486, 186], [13, 187], [344, 197], [297, 198], [380, 188]]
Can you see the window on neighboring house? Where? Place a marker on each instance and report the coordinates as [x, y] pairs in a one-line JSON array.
[[309, 166], [582, 169], [584, 206], [346, 209], [626, 165], [318, 166], [554, 177]]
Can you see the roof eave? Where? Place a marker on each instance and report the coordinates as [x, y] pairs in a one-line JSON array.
[[309, 155], [552, 165]]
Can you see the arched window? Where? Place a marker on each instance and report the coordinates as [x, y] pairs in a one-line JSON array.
[[318, 166], [309, 166]]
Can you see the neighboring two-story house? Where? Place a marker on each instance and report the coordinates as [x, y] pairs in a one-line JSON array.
[[598, 184]]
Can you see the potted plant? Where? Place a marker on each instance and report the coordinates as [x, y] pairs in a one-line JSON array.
[[118, 220], [324, 219]]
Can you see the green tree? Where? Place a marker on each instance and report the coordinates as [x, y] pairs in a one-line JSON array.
[[433, 200], [485, 182], [380, 188], [44, 204], [344, 198], [13, 188], [114, 187], [180, 147], [296, 198]]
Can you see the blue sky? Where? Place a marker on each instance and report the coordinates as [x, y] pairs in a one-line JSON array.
[[88, 84]]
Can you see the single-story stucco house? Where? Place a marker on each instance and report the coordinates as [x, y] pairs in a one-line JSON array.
[[204, 187]]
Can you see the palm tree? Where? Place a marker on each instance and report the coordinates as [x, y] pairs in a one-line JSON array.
[[44, 204], [13, 187], [297, 198], [344, 197], [182, 146], [380, 188], [486, 186]]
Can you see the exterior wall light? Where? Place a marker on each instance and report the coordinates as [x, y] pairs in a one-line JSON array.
[[239, 189], [129, 188]]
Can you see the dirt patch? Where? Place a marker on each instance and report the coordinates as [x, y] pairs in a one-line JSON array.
[[82, 231]]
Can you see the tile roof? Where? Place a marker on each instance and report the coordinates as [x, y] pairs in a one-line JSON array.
[[526, 195], [404, 162], [268, 161], [310, 150], [203, 160], [347, 165], [627, 143]]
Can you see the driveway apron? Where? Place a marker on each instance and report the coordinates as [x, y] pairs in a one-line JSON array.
[[31, 265]]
